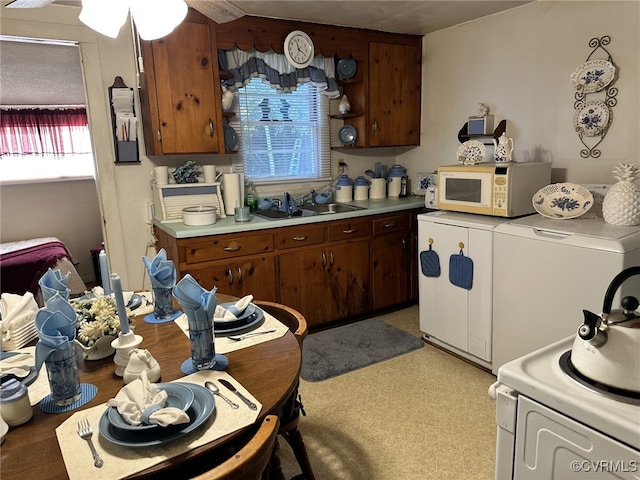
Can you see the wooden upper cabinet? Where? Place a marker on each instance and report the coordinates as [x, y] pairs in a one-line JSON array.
[[181, 92], [395, 74]]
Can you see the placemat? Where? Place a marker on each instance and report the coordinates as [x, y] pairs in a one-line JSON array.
[[120, 461], [88, 392], [225, 345]]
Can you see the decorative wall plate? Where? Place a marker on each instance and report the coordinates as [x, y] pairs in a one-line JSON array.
[[471, 152], [230, 138], [592, 119], [347, 135], [562, 200], [593, 76], [347, 68]]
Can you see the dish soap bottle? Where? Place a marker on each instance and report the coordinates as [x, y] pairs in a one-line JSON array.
[[251, 200]]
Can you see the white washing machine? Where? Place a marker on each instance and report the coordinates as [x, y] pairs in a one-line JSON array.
[[547, 271]]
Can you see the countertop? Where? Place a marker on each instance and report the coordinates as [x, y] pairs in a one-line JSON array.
[[229, 225]]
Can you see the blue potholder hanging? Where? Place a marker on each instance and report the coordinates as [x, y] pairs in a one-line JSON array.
[[430, 263], [461, 271]]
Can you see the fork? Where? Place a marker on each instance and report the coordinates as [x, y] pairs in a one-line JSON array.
[[86, 432], [237, 338]]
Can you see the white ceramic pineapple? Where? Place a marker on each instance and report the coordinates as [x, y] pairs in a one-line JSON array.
[[621, 205]]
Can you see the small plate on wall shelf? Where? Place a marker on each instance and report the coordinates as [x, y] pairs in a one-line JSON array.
[[471, 152], [347, 135], [593, 76], [592, 119], [230, 138], [347, 68]]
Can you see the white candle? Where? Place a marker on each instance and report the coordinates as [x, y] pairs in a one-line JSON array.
[[122, 310], [104, 272]]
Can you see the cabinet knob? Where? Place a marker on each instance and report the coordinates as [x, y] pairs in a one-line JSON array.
[[375, 127], [324, 260], [331, 258], [229, 276], [300, 239], [210, 128], [389, 225], [232, 249], [351, 230]]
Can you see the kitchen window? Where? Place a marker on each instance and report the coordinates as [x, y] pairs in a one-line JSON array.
[[282, 136]]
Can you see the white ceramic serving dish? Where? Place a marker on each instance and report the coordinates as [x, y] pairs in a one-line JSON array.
[[562, 200], [199, 216]]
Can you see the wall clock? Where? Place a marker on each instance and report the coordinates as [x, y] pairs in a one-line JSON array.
[[298, 48]]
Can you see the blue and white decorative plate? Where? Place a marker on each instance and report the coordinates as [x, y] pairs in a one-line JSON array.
[[347, 68], [592, 119], [230, 138], [562, 200], [471, 152], [593, 76], [347, 135]]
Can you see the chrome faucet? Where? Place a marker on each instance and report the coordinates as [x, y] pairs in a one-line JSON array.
[[311, 196]]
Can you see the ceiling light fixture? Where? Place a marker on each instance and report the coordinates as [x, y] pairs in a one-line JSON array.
[[153, 18]]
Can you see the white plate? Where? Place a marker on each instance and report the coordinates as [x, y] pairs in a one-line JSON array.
[[562, 200], [471, 152], [593, 76], [592, 119], [347, 135]]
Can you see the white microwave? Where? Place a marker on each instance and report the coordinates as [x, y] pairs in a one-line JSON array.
[[497, 189]]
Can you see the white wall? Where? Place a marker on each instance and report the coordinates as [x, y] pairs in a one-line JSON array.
[[519, 63]]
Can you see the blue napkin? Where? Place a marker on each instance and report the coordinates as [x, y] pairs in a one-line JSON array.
[[53, 282], [162, 272], [196, 302], [56, 326]]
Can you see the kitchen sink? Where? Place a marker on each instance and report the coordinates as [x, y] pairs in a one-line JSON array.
[[308, 211]]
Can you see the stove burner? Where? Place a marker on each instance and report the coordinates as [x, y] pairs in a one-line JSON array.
[[618, 394]]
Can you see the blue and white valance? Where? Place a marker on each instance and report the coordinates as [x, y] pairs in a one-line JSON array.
[[274, 70]]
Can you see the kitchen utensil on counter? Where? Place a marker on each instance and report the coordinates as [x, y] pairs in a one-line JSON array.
[[248, 402], [216, 391], [606, 346], [199, 216], [361, 188], [378, 189], [344, 189]]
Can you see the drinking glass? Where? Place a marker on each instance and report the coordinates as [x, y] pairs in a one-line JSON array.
[[162, 306], [64, 379], [201, 337]]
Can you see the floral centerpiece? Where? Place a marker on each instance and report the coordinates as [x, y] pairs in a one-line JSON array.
[[98, 324]]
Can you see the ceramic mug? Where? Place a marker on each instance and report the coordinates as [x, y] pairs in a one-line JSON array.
[[209, 173], [160, 175]]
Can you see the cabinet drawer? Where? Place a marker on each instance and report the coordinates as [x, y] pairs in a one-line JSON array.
[[390, 224], [351, 228], [300, 236], [227, 247]]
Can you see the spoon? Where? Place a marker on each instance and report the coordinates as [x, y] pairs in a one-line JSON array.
[[216, 391]]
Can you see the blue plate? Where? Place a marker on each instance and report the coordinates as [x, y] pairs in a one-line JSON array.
[[230, 138], [251, 318], [26, 381], [179, 395], [347, 68], [201, 409], [347, 135]]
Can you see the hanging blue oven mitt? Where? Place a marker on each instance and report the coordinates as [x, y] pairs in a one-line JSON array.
[[461, 271], [430, 262]]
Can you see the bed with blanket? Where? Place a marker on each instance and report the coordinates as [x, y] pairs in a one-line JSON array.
[[22, 264]]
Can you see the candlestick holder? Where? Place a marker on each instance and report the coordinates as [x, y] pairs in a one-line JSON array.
[[123, 346]]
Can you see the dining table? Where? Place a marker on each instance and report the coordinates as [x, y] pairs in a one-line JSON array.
[[268, 370]]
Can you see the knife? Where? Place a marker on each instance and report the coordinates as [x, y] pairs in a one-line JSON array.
[[228, 384]]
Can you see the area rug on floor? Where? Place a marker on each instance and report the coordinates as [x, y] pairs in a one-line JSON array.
[[343, 349]]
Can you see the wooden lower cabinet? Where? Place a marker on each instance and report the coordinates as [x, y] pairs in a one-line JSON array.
[[326, 283], [327, 271], [240, 277]]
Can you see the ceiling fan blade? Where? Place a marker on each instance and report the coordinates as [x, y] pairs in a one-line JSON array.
[[28, 3], [220, 11]]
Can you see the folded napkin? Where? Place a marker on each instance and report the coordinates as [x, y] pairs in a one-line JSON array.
[[196, 302], [143, 402], [162, 272], [56, 326], [232, 312], [53, 282], [16, 311]]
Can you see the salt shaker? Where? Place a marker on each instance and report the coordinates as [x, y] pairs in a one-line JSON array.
[[14, 398]]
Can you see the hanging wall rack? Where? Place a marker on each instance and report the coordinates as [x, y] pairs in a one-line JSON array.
[[124, 122], [595, 96]]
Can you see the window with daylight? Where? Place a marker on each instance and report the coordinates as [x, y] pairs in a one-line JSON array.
[[39, 144], [282, 136]]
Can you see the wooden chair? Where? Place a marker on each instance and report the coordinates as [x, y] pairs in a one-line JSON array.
[[251, 462], [290, 413]]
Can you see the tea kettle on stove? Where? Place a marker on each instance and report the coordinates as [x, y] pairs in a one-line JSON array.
[[607, 346]]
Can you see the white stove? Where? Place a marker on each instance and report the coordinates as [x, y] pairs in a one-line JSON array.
[[551, 425]]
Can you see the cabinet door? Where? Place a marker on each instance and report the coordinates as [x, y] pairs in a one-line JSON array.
[[446, 306], [302, 283], [187, 107], [348, 284], [243, 276], [394, 94], [390, 269]]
